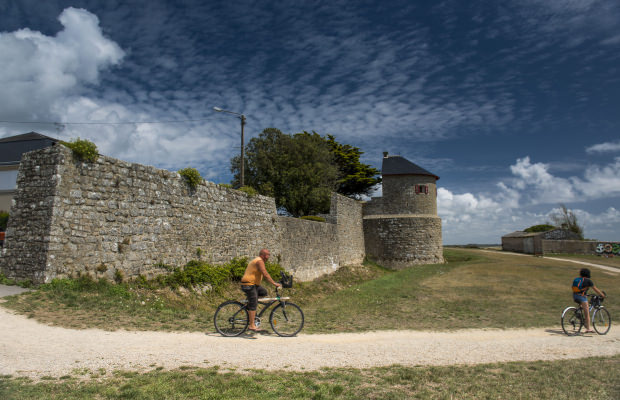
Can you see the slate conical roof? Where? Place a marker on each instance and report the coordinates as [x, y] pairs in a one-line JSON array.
[[397, 165]]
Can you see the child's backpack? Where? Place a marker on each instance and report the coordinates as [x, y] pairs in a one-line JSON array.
[[578, 285]]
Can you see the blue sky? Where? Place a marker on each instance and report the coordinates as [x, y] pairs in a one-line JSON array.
[[514, 104]]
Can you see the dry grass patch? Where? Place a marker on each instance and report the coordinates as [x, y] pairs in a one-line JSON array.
[[475, 289]]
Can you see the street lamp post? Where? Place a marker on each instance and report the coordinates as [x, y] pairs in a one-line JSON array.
[[242, 118]]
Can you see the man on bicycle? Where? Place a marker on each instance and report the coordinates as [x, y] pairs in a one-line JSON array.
[[581, 285], [250, 284]]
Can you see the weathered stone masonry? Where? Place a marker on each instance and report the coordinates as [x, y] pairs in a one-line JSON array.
[[71, 217], [402, 228]]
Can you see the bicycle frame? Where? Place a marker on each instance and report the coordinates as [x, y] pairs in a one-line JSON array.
[[286, 318], [266, 303]]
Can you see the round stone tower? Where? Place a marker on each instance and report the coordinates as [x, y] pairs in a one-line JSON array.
[[402, 228]]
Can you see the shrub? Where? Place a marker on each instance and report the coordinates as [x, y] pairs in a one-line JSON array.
[[249, 190], [83, 149], [118, 276], [195, 273], [540, 228], [6, 281], [192, 177], [4, 220], [313, 218], [236, 267], [274, 270], [199, 272], [12, 282]]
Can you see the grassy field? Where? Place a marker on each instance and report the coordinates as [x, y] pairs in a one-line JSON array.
[[474, 289], [591, 378]]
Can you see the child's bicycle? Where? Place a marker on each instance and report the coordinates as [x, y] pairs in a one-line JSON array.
[[286, 319], [572, 317]]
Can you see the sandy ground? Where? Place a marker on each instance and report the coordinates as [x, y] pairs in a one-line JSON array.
[[28, 348]]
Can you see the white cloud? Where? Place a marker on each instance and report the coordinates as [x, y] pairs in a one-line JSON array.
[[39, 69], [606, 147], [536, 183], [599, 182], [484, 218], [55, 78]]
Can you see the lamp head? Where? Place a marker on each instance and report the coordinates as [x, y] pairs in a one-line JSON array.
[[218, 109]]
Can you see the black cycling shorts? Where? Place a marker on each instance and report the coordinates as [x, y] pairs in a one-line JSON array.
[[253, 292]]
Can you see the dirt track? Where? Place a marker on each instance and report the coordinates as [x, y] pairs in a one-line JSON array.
[[28, 348]]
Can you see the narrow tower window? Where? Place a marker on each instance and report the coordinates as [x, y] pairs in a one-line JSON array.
[[421, 189]]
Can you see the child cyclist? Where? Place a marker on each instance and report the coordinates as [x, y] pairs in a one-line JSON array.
[[581, 284]]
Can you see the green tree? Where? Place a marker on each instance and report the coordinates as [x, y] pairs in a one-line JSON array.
[[355, 179], [565, 218], [297, 170]]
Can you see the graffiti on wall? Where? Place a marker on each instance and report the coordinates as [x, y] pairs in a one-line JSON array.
[[608, 249]]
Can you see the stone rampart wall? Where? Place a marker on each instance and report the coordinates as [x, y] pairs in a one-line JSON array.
[[400, 241], [28, 232], [71, 217], [311, 248], [349, 229]]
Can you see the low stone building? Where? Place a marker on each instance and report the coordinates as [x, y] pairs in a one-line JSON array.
[[533, 242]]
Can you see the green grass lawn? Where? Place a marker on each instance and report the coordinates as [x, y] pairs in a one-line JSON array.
[[474, 289], [589, 378]]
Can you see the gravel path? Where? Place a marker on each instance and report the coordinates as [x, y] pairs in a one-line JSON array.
[[28, 348]]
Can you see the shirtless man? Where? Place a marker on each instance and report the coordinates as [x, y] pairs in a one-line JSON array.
[[250, 284]]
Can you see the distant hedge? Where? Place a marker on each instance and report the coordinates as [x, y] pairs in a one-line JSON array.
[[540, 228]]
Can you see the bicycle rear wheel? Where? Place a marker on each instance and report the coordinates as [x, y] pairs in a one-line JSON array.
[[601, 321], [286, 319], [231, 318], [571, 321]]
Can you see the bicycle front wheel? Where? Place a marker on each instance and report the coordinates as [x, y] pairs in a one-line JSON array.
[[231, 318], [571, 321], [286, 319], [601, 321]]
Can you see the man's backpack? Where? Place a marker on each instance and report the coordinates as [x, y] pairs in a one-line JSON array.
[[579, 285]]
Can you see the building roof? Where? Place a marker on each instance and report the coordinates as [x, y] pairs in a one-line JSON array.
[[12, 148], [550, 234], [522, 234], [397, 165]]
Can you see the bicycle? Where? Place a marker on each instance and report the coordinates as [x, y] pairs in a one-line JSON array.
[[286, 319], [573, 320]]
